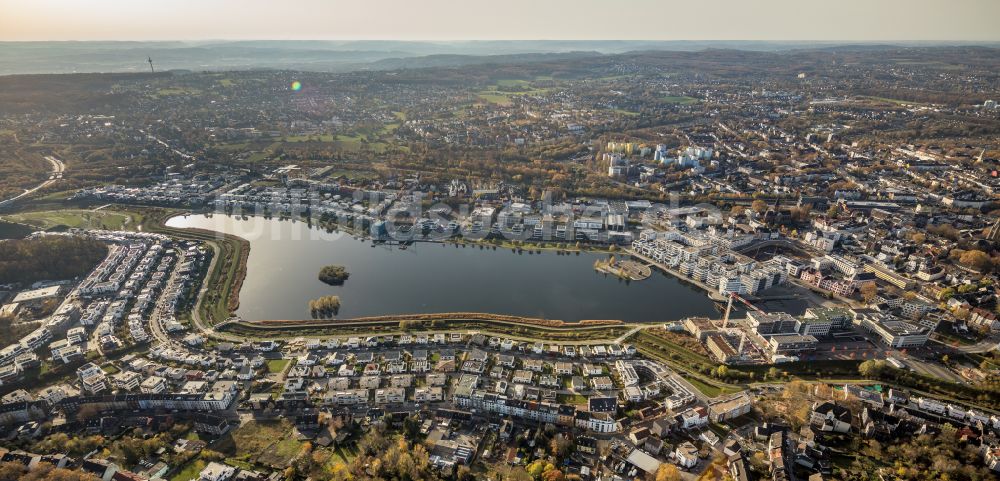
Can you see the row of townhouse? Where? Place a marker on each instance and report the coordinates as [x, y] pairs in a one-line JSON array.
[[144, 302], [22, 411], [172, 192], [94, 312], [952, 411], [176, 292], [389, 395], [100, 284], [561, 414], [219, 398], [279, 201], [204, 359]]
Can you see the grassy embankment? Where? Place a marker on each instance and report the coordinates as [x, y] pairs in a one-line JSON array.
[[486, 323], [693, 365], [223, 283]]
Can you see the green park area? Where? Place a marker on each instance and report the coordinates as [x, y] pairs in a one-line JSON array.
[[683, 100], [75, 218]]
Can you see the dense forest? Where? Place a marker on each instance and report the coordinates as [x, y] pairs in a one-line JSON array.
[[48, 258]]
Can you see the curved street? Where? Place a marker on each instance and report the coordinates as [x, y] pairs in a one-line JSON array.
[[58, 168]]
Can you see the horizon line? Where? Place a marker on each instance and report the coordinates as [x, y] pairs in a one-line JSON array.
[[861, 41]]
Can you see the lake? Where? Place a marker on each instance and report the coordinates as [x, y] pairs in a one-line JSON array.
[[286, 256]]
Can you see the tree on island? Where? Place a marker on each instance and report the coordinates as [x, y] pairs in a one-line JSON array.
[[324, 307], [333, 275]]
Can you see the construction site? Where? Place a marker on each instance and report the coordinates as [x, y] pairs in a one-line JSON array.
[[772, 337]]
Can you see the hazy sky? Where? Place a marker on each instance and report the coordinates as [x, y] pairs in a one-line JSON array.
[[975, 20]]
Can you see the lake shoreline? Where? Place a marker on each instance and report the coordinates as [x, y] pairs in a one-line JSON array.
[[388, 281]]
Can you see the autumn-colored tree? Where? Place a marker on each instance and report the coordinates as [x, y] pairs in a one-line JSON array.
[[553, 474], [42, 472], [975, 259], [536, 468], [668, 472], [868, 291]]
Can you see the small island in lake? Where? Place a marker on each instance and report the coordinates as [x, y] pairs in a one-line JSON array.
[[324, 307], [333, 275]]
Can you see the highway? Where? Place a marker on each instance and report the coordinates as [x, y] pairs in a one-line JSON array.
[[58, 168]]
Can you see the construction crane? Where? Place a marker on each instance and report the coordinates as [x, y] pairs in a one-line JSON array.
[[150, 60], [729, 307]]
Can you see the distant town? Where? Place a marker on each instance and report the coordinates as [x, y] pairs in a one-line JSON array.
[[739, 266]]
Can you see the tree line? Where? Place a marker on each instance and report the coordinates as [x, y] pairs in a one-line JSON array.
[[48, 258]]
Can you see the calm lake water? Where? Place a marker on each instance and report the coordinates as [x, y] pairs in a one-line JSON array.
[[286, 256]]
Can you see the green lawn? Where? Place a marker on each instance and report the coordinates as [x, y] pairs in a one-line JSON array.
[[892, 101], [277, 365], [76, 218], [571, 399], [177, 91], [627, 113], [344, 454], [270, 443], [190, 471], [389, 128], [309, 138], [59, 195], [494, 97], [513, 83], [353, 174], [708, 389], [357, 142], [683, 100]]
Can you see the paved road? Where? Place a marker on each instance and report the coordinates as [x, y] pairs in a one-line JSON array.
[[58, 168], [986, 345]]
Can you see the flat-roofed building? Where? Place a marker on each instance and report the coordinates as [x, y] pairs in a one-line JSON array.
[[893, 332], [791, 344], [626, 373], [724, 409], [771, 323], [35, 296]]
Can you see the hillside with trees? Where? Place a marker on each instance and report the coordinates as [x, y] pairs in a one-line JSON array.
[[48, 258]]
